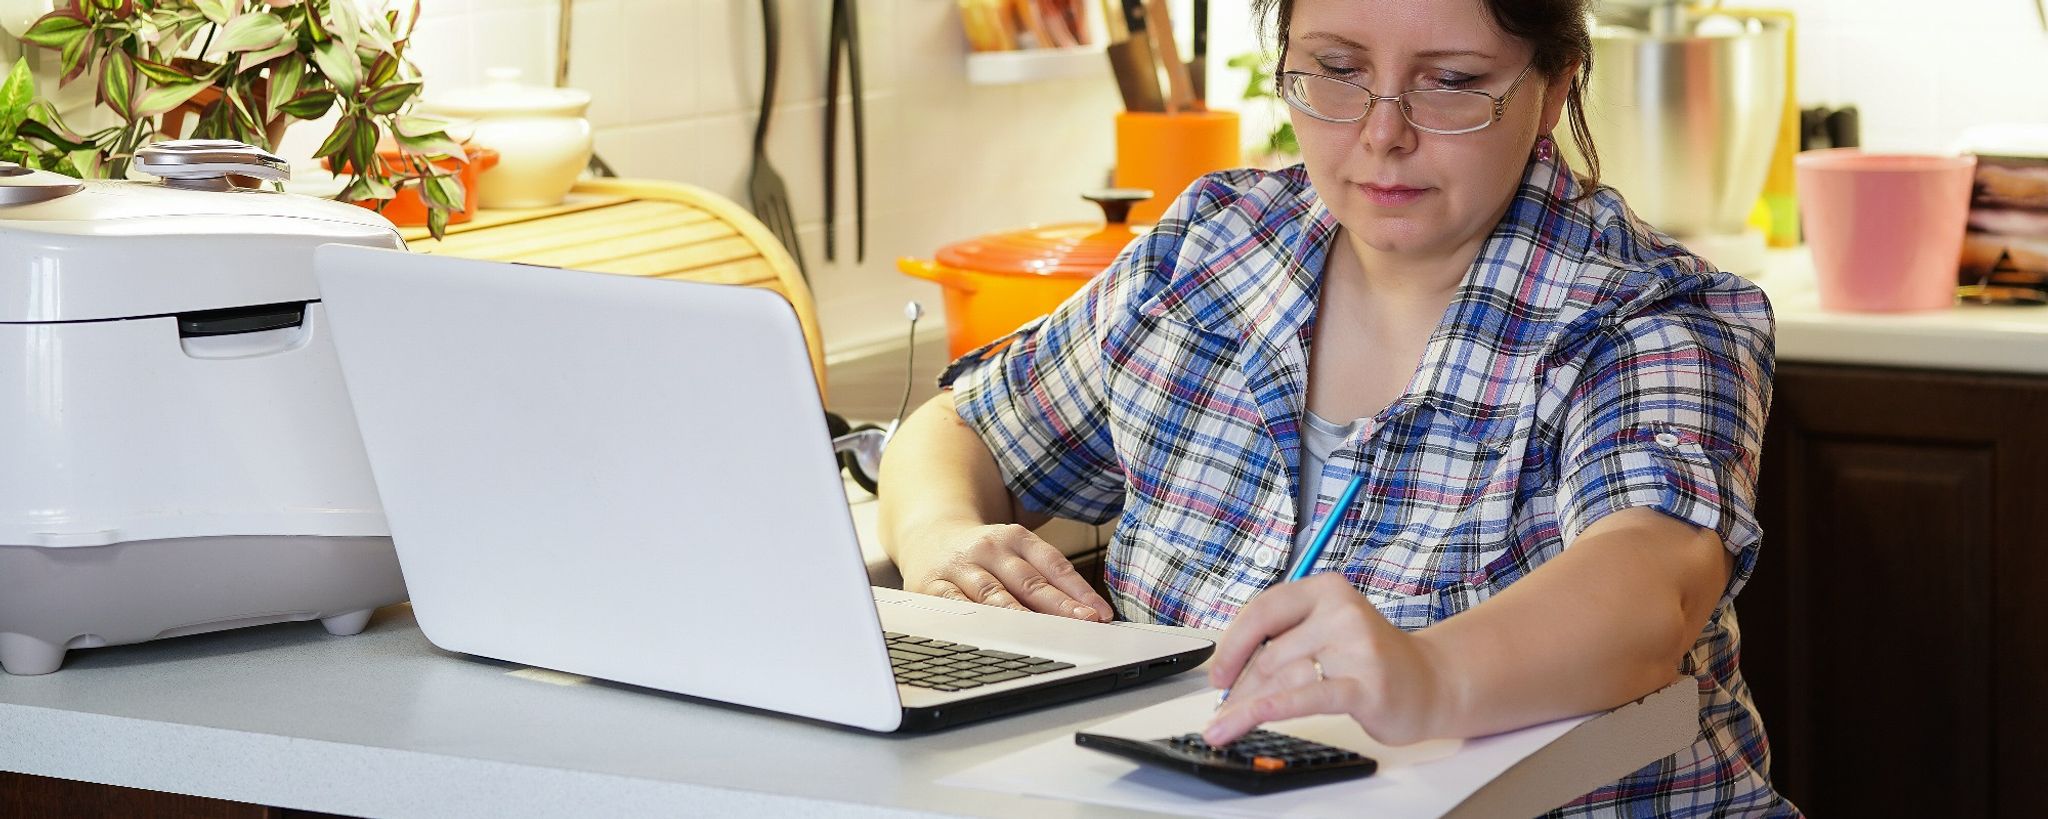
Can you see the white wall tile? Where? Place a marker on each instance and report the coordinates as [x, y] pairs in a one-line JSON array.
[[676, 84]]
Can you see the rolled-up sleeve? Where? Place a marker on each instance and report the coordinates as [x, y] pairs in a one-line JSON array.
[[1036, 398], [1668, 414]]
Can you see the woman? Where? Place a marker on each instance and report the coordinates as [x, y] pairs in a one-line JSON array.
[[1556, 412]]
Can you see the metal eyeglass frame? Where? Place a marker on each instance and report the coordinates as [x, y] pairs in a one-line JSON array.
[[1500, 103]]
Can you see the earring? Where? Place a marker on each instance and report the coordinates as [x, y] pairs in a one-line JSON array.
[[1545, 148]]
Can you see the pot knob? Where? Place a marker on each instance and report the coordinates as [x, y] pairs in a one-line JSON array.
[[1116, 203], [205, 164]]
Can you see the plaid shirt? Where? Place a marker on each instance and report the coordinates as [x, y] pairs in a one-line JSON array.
[[1585, 365]]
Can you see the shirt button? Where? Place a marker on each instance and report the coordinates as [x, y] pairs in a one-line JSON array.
[[1667, 440], [1266, 557]]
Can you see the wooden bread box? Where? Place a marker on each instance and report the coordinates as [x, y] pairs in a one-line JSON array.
[[663, 230]]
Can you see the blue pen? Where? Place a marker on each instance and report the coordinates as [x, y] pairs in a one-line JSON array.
[[1310, 555]]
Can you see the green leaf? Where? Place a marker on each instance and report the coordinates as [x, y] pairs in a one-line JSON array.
[[284, 86], [340, 67], [254, 31], [251, 59], [17, 92], [314, 31], [58, 29], [345, 25], [363, 147], [432, 145], [117, 84], [337, 140], [443, 191], [39, 131], [389, 99], [166, 97], [159, 72], [383, 70], [76, 54], [437, 223], [310, 105], [419, 125], [215, 10]]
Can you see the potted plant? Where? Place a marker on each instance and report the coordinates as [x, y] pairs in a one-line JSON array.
[[243, 70], [1280, 149]]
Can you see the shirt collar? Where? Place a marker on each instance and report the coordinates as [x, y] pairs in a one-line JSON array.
[[1258, 265]]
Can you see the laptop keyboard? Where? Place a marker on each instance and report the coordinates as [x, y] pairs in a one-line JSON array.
[[943, 666]]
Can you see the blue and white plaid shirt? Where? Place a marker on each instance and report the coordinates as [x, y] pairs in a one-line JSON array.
[[1586, 365]]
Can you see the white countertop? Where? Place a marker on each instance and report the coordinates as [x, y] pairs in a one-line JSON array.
[[383, 724], [1968, 337]]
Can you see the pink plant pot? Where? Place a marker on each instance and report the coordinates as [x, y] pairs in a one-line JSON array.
[[1886, 230]]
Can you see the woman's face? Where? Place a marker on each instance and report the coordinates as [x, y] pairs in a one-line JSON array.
[[1398, 189]]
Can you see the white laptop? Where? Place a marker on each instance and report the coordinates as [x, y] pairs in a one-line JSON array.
[[631, 479]]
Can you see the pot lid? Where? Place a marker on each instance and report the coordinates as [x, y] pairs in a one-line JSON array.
[[1078, 250], [504, 95]]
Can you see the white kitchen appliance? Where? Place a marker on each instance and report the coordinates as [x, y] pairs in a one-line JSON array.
[[180, 454]]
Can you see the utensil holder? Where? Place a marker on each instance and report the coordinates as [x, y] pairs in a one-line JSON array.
[[1165, 153]]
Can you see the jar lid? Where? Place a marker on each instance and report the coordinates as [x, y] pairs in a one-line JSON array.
[[503, 94], [1076, 250]]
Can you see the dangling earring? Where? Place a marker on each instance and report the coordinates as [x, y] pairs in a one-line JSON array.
[[1545, 148]]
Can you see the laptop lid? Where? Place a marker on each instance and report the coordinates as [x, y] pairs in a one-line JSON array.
[[623, 478]]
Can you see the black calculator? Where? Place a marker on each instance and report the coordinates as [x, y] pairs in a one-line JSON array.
[[1258, 762]]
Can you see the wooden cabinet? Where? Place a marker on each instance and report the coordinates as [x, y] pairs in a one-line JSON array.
[[1895, 633]]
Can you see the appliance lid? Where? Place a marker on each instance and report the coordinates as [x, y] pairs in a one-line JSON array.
[[1074, 250], [23, 186]]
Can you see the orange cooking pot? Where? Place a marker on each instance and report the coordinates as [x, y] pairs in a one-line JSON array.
[[995, 283]]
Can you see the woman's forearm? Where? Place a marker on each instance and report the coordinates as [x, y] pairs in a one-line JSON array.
[[1603, 623], [937, 472]]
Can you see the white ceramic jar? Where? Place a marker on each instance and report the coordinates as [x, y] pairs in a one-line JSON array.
[[541, 136]]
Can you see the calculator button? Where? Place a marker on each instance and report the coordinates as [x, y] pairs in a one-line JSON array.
[[1268, 763]]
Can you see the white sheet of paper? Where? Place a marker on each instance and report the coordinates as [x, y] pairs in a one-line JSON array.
[[1426, 779]]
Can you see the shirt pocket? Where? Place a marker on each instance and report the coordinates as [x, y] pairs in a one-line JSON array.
[[1446, 515]]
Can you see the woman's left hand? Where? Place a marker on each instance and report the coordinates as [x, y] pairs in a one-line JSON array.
[[1326, 651]]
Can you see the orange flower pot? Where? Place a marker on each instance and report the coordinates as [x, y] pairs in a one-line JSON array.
[[408, 209]]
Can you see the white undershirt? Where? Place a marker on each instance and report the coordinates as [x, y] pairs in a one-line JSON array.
[[1319, 438]]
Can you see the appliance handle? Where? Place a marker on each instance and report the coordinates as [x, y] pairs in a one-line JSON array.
[[238, 320]]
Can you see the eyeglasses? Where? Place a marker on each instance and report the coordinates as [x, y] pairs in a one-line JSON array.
[[1436, 110]]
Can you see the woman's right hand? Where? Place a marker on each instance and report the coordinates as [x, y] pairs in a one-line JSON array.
[[1004, 565]]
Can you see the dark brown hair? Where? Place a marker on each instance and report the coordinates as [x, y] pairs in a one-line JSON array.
[[1558, 29]]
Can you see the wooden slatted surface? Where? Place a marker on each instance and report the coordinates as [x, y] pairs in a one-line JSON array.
[[655, 229]]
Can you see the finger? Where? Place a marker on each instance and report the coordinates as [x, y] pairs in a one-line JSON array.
[[1240, 717], [1271, 613], [1278, 666], [983, 587], [942, 588], [1058, 569], [1036, 590]]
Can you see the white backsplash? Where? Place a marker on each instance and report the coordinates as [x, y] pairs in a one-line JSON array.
[[676, 84], [1921, 72]]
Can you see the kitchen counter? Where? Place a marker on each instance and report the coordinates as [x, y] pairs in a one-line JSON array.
[[385, 724], [1969, 337]]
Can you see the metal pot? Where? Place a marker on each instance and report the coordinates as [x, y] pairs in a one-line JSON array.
[[1686, 123]]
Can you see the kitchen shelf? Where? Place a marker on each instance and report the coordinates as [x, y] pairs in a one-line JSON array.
[[1033, 65]]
